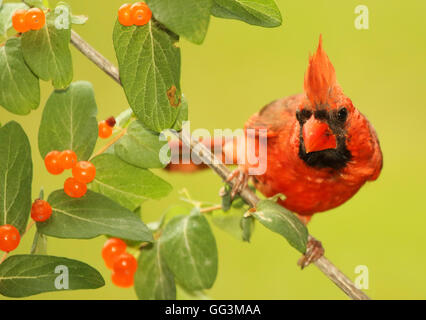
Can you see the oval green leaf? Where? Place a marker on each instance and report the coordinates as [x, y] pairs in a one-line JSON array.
[[149, 64], [187, 18], [16, 173], [140, 147], [280, 220], [69, 121], [264, 13], [46, 51], [90, 216], [153, 279], [27, 275], [131, 186], [19, 87], [190, 251]]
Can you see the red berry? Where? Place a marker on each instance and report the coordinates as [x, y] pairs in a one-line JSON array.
[[125, 262], [140, 13], [124, 15], [111, 122], [19, 22], [111, 250], [105, 130], [9, 238], [41, 210], [35, 18], [74, 188], [67, 159], [122, 279], [84, 171], [52, 162]]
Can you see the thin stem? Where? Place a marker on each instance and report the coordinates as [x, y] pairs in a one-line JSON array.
[[210, 209], [323, 264], [4, 257], [110, 143]]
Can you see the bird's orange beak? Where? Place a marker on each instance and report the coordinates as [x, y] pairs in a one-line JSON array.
[[318, 136]]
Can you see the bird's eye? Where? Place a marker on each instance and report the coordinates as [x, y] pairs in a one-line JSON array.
[[306, 114], [342, 114]]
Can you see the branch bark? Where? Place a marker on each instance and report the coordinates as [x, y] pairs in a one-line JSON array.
[[323, 264]]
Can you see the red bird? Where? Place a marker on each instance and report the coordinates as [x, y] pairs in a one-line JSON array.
[[320, 148]]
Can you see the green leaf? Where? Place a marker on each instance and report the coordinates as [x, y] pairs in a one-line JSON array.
[[187, 18], [47, 53], [39, 244], [149, 63], [182, 115], [16, 173], [247, 226], [190, 251], [153, 279], [280, 220], [6, 12], [19, 87], [90, 216], [27, 275], [140, 147], [35, 3], [229, 221], [264, 13], [69, 121], [131, 186]]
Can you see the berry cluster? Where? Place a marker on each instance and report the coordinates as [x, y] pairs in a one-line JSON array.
[[123, 264], [83, 172], [105, 127], [137, 14], [26, 20], [9, 238]]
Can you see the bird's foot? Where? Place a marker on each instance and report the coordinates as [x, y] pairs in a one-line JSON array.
[[314, 251], [241, 181]]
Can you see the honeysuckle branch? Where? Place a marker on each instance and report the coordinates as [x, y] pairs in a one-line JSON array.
[[323, 264]]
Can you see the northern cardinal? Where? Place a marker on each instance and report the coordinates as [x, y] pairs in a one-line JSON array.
[[320, 148]]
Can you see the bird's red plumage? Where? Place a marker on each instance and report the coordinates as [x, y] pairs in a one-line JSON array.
[[308, 189]]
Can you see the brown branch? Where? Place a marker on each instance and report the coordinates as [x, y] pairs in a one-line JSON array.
[[329, 269]]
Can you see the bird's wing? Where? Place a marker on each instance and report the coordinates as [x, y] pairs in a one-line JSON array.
[[273, 117]]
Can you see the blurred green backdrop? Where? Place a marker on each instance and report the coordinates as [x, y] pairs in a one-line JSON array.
[[235, 72]]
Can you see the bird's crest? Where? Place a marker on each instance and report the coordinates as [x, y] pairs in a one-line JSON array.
[[320, 78]]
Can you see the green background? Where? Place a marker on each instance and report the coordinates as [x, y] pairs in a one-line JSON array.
[[235, 72]]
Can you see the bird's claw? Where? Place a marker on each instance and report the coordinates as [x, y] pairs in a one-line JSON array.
[[241, 181], [314, 251]]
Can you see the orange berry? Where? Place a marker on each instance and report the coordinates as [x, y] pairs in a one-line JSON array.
[[84, 171], [35, 19], [9, 238], [74, 188], [124, 15], [122, 279], [104, 130], [41, 210], [52, 164], [67, 159], [140, 13], [111, 250], [125, 262], [19, 22]]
